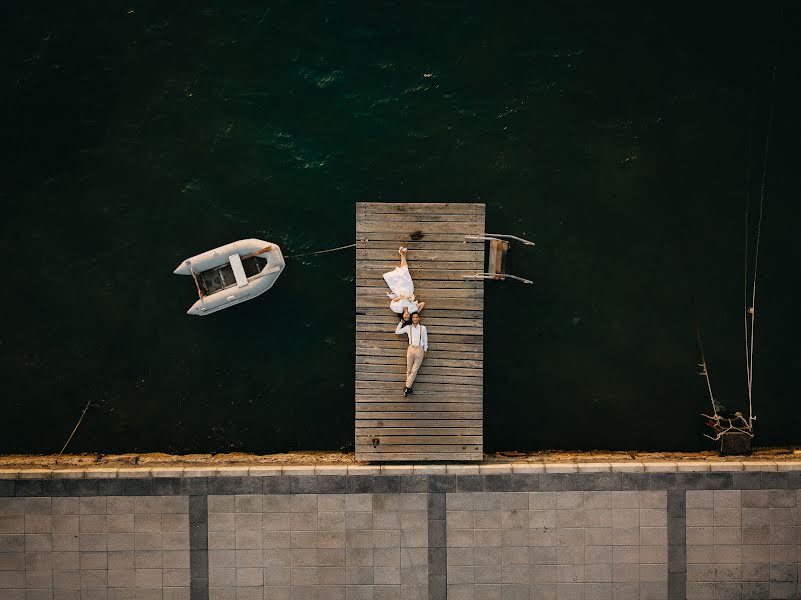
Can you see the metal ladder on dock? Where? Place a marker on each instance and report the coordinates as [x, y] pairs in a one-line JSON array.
[[498, 250]]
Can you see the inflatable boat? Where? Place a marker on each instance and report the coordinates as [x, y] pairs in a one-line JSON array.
[[232, 274]]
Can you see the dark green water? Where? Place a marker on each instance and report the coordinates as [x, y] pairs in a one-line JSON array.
[[624, 138]]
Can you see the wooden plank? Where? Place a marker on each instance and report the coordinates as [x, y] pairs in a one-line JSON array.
[[437, 383], [422, 410], [384, 362], [459, 352], [449, 338], [393, 393], [423, 218], [438, 343], [398, 359], [420, 407], [388, 259], [457, 419], [418, 415], [449, 400], [386, 376], [434, 439], [435, 310], [456, 409], [419, 274], [462, 308], [438, 303], [461, 284], [392, 320], [385, 265], [440, 330], [425, 369], [441, 375], [424, 271], [414, 256], [368, 456], [418, 447], [389, 336], [408, 421], [454, 303], [391, 341], [422, 294], [440, 325], [433, 362], [469, 419], [456, 428], [429, 396], [431, 246], [446, 399], [433, 353], [414, 416], [407, 236], [473, 208], [436, 331], [378, 410], [378, 224], [398, 369], [467, 408]]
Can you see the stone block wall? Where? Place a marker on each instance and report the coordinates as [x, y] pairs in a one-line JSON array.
[[93, 548], [521, 545], [742, 542], [403, 533], [318, 547]]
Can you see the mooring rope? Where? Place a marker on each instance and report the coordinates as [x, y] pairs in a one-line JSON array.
[[320, 251]]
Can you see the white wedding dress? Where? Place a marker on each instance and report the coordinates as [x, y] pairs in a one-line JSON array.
[[402, 295]]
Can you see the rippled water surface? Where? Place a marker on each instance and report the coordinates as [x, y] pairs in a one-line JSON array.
[[624, 138]]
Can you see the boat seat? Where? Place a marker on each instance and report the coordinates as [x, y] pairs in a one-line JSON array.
[[239, 270]]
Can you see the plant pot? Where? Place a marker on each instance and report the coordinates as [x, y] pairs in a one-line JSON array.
[[735, 444]]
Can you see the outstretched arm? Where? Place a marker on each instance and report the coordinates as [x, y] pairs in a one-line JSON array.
[[401, 328]]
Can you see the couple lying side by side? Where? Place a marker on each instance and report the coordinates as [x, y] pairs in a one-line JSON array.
[[403, 302]]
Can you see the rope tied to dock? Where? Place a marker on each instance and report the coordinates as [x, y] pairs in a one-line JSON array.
[[320, 251]]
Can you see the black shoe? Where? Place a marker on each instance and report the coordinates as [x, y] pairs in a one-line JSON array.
[[405, 392], [410, 390]]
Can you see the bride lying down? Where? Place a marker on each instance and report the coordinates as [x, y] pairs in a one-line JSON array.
[[402, 300]]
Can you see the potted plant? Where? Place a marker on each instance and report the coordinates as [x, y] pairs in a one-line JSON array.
[[731, 428]]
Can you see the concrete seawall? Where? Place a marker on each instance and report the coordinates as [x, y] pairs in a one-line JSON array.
[[619, 531]]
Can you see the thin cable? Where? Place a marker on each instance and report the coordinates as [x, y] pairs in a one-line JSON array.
[[78, 424], [751, 109], [752, 309], [320, 251]]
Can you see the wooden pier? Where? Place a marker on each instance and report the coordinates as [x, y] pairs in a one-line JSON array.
[[443, 419]]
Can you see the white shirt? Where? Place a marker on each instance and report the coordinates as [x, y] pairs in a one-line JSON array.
[[418, 335]]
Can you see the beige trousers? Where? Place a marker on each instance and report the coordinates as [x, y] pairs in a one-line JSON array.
[[414, 358]]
